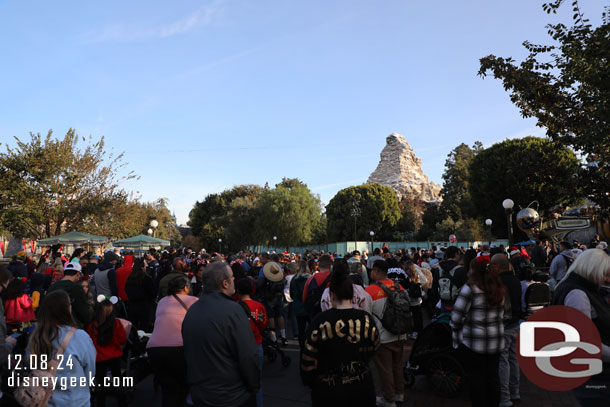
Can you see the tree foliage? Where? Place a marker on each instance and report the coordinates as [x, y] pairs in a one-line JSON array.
[[457, 203], [378, 212], [566, 87], [52, 185], [523, 170]]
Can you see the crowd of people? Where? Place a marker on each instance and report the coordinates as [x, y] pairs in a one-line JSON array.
[[205, 317]]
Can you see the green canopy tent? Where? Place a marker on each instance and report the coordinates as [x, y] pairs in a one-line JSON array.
[[141, 242], [74, 238]]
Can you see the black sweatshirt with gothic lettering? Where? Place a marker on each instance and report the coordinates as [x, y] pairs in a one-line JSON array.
[[339, 343]]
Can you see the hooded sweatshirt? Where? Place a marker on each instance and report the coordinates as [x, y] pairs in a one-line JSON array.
[[121, 276], [105, 279]]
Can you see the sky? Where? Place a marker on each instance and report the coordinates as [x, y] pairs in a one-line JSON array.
[[204, 95]]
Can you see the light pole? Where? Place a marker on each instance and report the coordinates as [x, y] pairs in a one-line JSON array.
[[508, 209], [150, 231], [219, 246], [355, 214], [488, 222], [154, 225], [372, 234], [275, 244]]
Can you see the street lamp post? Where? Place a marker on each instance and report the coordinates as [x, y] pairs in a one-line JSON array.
[[219, 246], [154, 225], [372, 234], [508, 209], [355, 214], [275, 244], [150, 231], [488, 222]]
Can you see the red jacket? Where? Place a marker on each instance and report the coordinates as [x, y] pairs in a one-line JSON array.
[[121, 276], [114, 349], [19, 309], [258, 321]]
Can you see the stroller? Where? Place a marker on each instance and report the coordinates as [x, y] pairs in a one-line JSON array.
[[271, 349], [136, 363], [433, 356]]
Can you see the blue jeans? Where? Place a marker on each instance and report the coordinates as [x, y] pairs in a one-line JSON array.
[[509, 367]]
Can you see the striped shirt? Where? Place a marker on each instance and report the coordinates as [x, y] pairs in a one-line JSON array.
[[477, 325]]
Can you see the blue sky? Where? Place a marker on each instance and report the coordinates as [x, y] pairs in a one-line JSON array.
[[204, 95]]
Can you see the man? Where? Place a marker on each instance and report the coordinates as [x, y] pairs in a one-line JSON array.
[[376, 256], [80, 307], [539, 254], [389, 358], [561, 263], [317, 279], [219, 347], [271, 293], [448, 279], [105, 275], [356, 259], [509, 367]]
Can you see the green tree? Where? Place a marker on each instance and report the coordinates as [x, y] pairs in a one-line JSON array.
[[378, 211], [457, 203], [565, 87], [523, 170], [290, 212], [52, 185]]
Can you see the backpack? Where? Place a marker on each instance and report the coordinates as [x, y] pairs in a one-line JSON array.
[[397, 317], [414, 290], [446, 287], [568, 260], [313, 301], [273, 289]]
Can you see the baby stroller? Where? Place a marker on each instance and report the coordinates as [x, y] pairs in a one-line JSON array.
[[134, 356], [272, 348], [434, 356]]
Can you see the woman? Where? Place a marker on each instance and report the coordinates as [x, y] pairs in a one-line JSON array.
[[580, 289], [140, 290], [165, 347], [338, 347], [54, 322], [476, 321], [297, 286], [90, 300]]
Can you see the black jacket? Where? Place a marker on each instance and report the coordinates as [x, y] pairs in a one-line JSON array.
[[513, 286], [17, 269], [220, 350]]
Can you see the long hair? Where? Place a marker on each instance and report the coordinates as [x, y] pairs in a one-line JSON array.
[[340, 283], [15, 289], [485, 276], [54, 312], [138, 272], [103, 323], [302, 268]]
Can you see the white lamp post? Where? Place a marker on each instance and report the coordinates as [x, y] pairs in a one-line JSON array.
[[219, 246], [154, 225], [275, 244], [372, 234], [488, 222], [508, 209], [150, 232]]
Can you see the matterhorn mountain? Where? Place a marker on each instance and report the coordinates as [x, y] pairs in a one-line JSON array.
[[400, 169]]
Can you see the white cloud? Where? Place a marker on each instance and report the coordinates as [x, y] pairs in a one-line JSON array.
[[129, 32]]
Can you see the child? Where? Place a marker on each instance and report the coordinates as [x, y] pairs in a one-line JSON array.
[[108, 336], [36, 289], [17, 304]]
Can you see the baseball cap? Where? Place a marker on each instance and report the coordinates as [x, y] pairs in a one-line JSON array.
[[72, 269]]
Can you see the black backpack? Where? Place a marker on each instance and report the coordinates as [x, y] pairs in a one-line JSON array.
[[397, 317], [313, 301]]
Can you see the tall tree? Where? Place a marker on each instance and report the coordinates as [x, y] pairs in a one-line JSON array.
[[457, 203], [50, 185], [378, 211], [565, 86], [290, 212], [523, 170]]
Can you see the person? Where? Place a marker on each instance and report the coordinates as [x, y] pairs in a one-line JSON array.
[[7, 343], [257, 315], [561, 263], [221, 353], [477, 329], [376, 256], [55, 323], [122, 274], [271, 293], [449, 278], [178, 269], [580, 289], [509, 373], [339, 345], [539, 254], [356, 259], [108, 336], [37, 290], [17, 304], [317, 283], [140, 290], [17, 266], [360, 300], [105, 275], [89, 295], [297, 285], [165, 347], [389, 358], [80, 308]]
